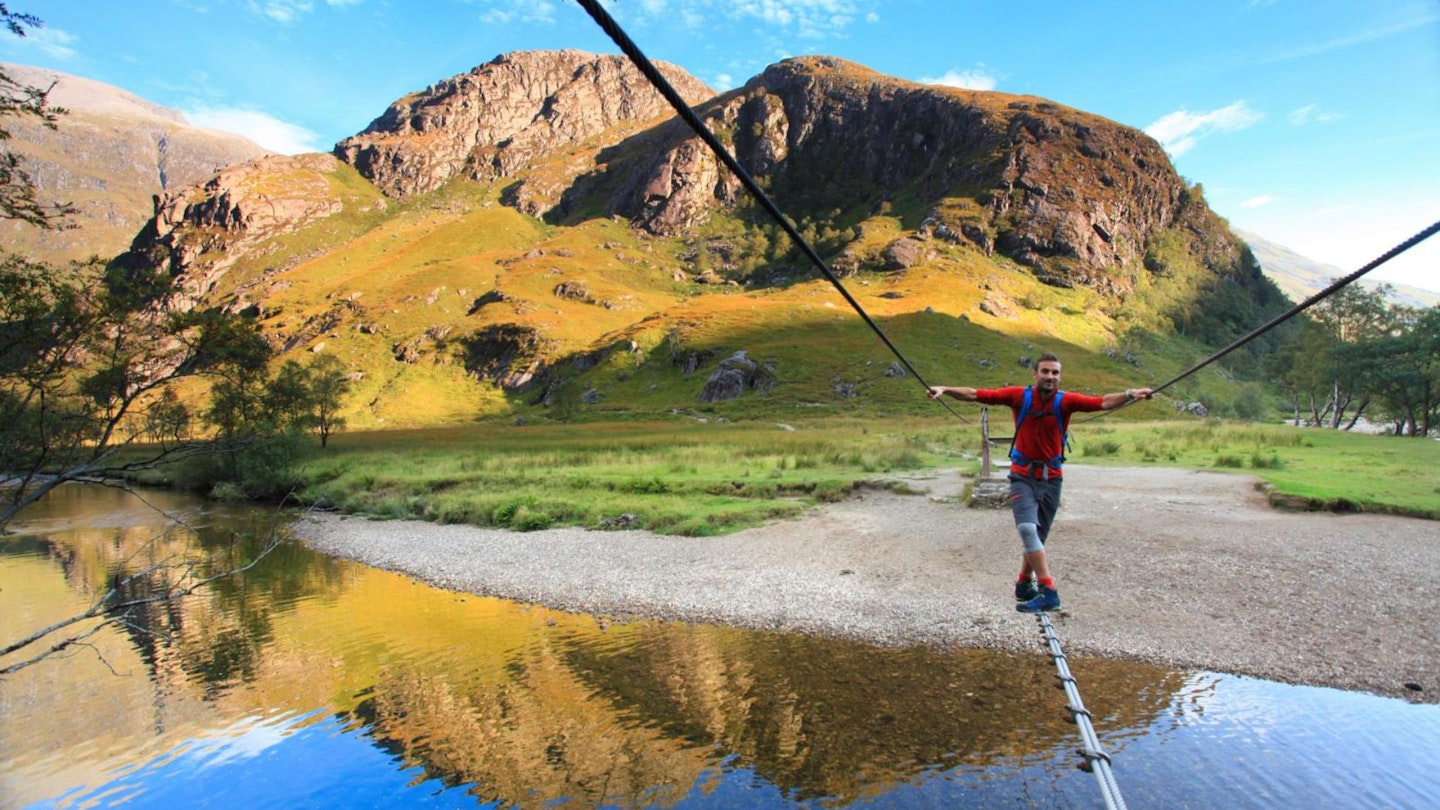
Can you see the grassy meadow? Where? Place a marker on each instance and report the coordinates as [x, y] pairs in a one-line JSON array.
[[1303, 467], [687, 478], [710, 477]]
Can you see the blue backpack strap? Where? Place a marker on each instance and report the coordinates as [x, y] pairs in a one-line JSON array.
[[1064, 430], [1015, 455], [1019, 458]]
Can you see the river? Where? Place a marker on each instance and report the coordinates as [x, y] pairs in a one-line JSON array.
[[309, 681]]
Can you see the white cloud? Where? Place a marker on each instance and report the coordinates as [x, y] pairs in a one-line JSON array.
[[964, 79], [271, 133], [1311, 113], [53, 42], [504, 12], [1180, 146], [1422, 20], [284, 11], [807, 19], [281, 10], [1257, 202], [1181, 130]]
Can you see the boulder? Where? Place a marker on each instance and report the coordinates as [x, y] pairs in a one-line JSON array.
[[734, 375]]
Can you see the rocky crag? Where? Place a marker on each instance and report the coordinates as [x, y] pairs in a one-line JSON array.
[[501, 117], [1069, 194]]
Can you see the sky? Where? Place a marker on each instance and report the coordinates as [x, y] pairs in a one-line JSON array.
[[1312, 123]]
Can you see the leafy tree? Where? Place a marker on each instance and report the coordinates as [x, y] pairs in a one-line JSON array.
[[1402, 368], [1356, 351], [309, 397], [19, 199], [328, 386], [1331, 361], [90, 362]]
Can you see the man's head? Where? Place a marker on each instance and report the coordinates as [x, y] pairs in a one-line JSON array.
[[1047, 372]]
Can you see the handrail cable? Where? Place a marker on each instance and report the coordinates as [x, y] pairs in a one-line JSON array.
[[1096, 759], [1288, 314], [1307, 303], [648, 69]]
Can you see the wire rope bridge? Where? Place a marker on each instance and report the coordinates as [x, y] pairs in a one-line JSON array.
[[1095, 760]]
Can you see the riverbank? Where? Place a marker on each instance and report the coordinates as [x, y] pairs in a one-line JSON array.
[[1175, 567]]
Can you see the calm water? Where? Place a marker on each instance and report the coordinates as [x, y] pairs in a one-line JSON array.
[[312, 682]]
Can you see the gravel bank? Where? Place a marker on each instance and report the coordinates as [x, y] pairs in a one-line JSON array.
[[1181, 568]]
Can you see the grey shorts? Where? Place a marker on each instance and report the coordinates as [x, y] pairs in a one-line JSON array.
[[1035, 500]]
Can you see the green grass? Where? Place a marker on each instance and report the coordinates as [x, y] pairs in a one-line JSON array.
[[688, 477], [1306, 468]]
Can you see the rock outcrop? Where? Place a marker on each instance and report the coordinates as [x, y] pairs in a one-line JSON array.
[[1070, 194], [891, 176], [503, 115], [1073, 196], [201, 231]]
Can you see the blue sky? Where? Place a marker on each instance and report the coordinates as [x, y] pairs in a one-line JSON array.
[[1314, 123]]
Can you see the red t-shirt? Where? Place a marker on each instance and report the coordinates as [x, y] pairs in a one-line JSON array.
[[1039, 439]]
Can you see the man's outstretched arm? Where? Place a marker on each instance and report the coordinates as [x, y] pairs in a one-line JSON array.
[[962, 394], [1110, 402]]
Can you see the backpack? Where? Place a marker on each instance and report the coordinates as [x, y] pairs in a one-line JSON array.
[[1019, 458]]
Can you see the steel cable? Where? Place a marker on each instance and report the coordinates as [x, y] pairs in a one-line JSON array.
[[1306, 304], [1096, 759], [651, 73], [1334, 287]]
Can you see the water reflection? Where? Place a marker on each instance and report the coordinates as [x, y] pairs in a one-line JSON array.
[[309, 681]]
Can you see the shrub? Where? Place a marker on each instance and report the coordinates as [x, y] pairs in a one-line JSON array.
[[1270, 462], [1105, 447], [527, 519]]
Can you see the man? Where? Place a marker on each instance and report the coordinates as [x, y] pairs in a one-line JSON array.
[[1042, 418]]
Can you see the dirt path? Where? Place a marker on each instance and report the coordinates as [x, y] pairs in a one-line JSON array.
[[1189, 569]]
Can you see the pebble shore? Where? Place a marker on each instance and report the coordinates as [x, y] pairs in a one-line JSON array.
[[1187, 569]]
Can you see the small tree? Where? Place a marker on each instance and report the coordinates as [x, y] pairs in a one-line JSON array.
[[329, 384], [309, 397]]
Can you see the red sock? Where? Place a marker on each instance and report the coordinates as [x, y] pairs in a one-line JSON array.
[[1024, 577], [1047, 582]]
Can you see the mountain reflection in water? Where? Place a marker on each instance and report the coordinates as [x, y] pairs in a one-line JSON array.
[[309, 681]]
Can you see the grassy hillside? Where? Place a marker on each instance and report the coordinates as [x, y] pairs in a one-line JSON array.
[[428, 302]]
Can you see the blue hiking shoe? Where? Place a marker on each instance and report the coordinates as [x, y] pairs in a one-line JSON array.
[[1026, 589], [1047, 600]]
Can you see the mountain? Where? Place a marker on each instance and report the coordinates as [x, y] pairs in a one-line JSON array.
[[1300, 277], [541, 235], [110, 156]]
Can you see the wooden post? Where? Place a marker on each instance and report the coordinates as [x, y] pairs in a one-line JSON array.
[[984, 444]]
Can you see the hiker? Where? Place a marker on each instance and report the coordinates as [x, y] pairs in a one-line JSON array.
[[1037, 455]]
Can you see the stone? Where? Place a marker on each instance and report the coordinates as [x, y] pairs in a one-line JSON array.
[[734, 375]]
